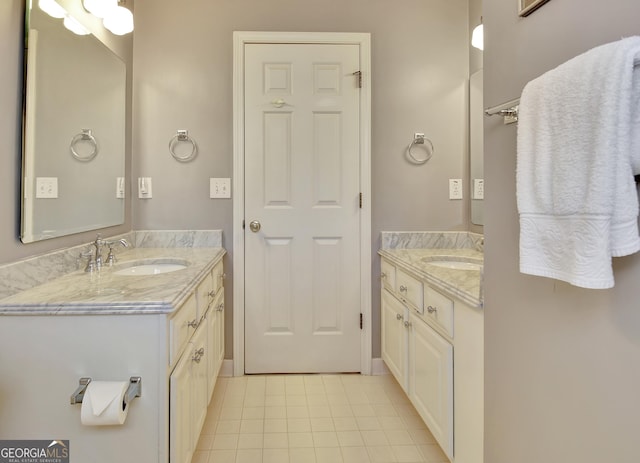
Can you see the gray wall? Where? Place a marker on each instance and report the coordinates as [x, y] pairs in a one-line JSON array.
[[11, 44], [562, 376], [183, 80]]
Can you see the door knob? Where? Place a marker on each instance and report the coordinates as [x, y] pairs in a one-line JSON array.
[[254, 226]]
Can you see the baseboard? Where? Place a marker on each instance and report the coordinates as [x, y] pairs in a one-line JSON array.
[[226, 369], [378, 367]]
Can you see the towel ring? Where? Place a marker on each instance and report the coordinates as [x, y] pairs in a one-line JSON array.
[[183, 136], [84, 136], [419, 139]]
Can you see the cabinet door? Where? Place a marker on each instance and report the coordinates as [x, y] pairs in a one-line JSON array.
[[212, 359], [394, 337], [219, 307], [180, 416], [200, 381], [431, 381]]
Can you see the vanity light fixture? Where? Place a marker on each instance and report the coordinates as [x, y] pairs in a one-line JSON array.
[[74, 26], [119, 20], [52, 8], [99, 8], [477, 36]]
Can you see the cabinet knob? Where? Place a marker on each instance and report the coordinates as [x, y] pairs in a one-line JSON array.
[[399, 316], [193, 323], [432, 309], [197, 355], [403, 289], [212, 293], [220, 307], [383, 276], [407, 323]]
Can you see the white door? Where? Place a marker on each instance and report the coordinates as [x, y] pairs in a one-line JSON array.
[[302, 267]]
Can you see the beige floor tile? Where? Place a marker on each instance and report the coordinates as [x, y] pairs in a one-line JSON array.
[[384, 410], [320, 411], [225, 442], [297, 412], [398, 437], [275, 400], [374, 438], [381, 454], [275, 425], [300, 439], [350, 439], [391, 422], [276, 440], [228, 427], [355, 455], [337, 399], [422, 436], [345, 423], [362, 410], [249, 456], [254, 401], [251, 426], [341, 410], [275, 456], [298, 424], [322, 424], [253, 413], [250, 441], [432, 453], [329, 455], [368, 423], [275, 412], [231, 413], [296, 400], [302, 455], [407, 453], [222, 456], [325, 439]]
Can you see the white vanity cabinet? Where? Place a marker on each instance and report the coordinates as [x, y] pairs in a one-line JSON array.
[[433, 345], [193, 377]]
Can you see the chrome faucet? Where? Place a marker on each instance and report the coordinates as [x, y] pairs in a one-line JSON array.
[[98, 243], [111, 258]]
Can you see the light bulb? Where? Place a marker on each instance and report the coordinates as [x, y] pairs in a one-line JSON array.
[[52, 8], [119, 21], [74, 26], [100, 8], [477, 37]]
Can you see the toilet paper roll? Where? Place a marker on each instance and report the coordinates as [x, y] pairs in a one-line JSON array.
[[103, 403]]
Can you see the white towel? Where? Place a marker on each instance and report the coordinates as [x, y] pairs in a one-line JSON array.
[[578, 150]]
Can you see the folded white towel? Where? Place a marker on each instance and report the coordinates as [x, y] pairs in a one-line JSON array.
[[578, 150]]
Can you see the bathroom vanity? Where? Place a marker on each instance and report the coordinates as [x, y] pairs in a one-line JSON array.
[[432, 341], [167, 328]]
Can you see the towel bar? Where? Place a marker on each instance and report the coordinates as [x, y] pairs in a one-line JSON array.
[[508, 110]]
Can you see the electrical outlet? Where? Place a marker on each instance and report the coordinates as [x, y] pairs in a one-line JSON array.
[[478, 188], [144, 188], [455, 188], [120, 187], [46, 187], [220, 188]]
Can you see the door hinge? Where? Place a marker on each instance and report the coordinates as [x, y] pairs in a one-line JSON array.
[[360, 201], [361, 321], [358, 75], [243, 224]]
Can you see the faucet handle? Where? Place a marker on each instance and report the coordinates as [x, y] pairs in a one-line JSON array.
[[91, 262], [111, 257]]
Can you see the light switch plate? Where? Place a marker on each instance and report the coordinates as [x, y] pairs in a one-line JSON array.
[[220, 188], [455, 188], [46, 187], [478, 188], [120, 187], [145, 188]]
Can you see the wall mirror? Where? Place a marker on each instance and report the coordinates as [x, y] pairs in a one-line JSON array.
[[73, 131], [476, 147]]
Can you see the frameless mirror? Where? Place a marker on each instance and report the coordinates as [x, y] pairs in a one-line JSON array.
[[476, 147], [74, 131]]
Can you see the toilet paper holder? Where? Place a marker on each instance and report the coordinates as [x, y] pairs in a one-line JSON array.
[[133, 390]]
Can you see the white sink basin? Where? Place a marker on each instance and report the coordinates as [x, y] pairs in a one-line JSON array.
[[150, 267], [453, 262]]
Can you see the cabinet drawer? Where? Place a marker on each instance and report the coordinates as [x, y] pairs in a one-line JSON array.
[[205, 295], [181, 327], [439, 309], [388, 275], [409, 289]]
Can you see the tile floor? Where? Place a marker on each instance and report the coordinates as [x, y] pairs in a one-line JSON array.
[[313, 419]]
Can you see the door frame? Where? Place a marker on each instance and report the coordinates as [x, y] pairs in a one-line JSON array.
[[363, 40]]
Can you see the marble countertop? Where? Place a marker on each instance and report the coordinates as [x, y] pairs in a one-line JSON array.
[[464, 285], [104, 293]]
